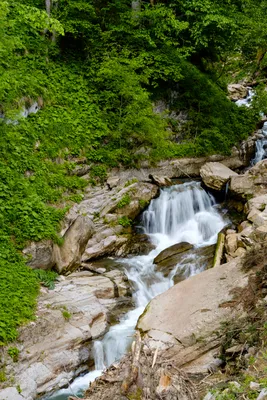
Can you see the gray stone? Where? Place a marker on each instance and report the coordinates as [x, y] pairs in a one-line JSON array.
[[40, 254], [68, 256], [193, 309], [262, 395], [10, 393], [215, 175], [237, 91]]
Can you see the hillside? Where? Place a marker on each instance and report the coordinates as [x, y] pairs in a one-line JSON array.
[[80, 82]]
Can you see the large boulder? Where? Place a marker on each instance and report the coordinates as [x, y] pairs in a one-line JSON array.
[[171, 256], [160, 181], [68, 256], [215, 175], [184, 319], [40, 254], [188, 260], [252, 183], [237, 91]]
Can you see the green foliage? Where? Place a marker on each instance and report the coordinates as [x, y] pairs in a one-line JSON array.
[[124, 221], [46, 278], [124, 201], [96, 69], [3, 377], [143, 203], [131, 182], [66, 314], [13, 352]]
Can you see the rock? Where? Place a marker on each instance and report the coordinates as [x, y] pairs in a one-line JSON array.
[[137, 244], [40, 254], [260, 234], [258, 202], [56, 347], [237, 91], [194, 309], [209, 396], [243, 225], [231, 243], [80, 170], [113, 182], [169, 256], [10, 393], [262, 395], [254, 386], [235, 349], [160, 181], [68, 256], [251, 184], [202, 258], [215, 175], [240, 252]]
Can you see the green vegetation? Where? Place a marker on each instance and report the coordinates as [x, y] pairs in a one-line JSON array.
[[3, 375], [96, 70], [13, 352], [66, 314], [124, 221], [46, 278], [124, 201]]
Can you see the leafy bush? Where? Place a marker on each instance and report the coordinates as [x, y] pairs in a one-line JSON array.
[[124, 201], [13, 352], [124, 221], [46, 278]]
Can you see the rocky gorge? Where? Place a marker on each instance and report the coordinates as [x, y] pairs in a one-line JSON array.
[[88, 293]]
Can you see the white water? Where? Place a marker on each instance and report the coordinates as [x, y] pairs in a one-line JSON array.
[[247, 101], [261, 146], [181, 213]]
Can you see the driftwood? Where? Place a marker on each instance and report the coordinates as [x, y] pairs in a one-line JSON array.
[[144, 374]]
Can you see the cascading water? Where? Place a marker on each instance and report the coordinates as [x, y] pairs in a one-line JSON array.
[[181, 213], [261, 146]]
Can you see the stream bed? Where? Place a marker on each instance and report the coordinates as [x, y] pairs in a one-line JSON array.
[[182, 213]]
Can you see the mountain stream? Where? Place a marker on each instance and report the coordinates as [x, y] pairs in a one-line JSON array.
[[182, 213]]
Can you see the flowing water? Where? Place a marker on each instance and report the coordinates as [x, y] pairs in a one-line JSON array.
[[261, 146], [182, 213]]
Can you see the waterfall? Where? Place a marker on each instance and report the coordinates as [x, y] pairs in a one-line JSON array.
[[261, 146], [181, 213], [247, 101]]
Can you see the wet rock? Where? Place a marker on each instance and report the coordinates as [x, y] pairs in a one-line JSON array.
[[215, 175], [68, 256], [237, 91], [199, 259], [137, 244], [171, 256], [40, 254]]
